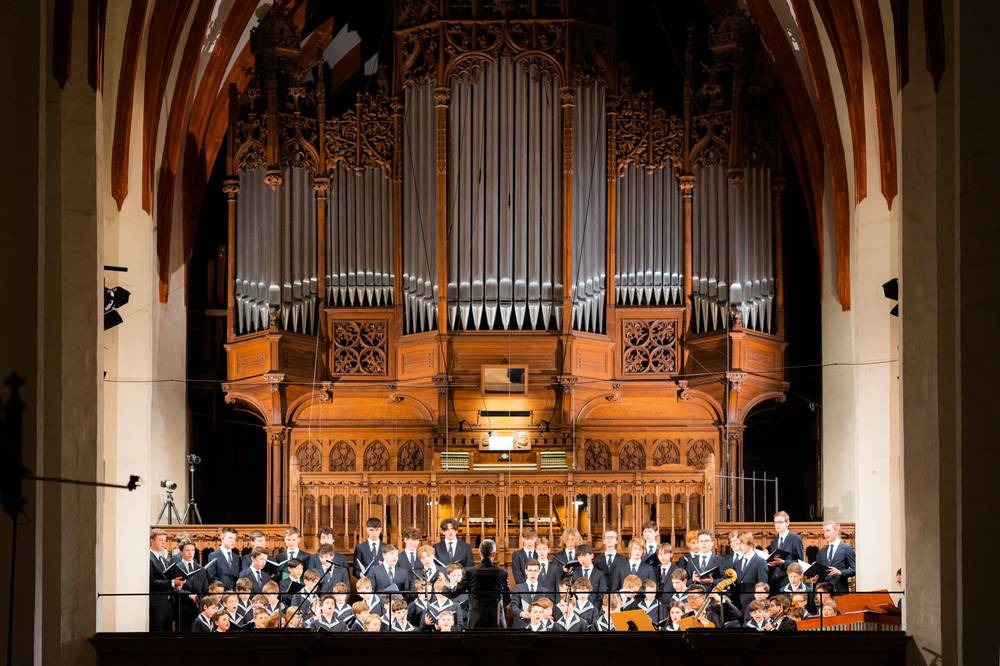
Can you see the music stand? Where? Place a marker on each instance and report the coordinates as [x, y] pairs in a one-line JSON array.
[[633, 620]]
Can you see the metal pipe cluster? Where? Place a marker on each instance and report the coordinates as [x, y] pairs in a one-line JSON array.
[[419, 240], [589, 208], [505, 239]]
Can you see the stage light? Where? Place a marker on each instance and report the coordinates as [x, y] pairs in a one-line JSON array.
[[114, 298], [891, 291]]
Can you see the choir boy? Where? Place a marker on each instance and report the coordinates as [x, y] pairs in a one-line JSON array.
[[328, 571], [568, 621], [291, 586], [262, 619], [409, 557], [524, 553], [292, 550], [570, 539], [430, 568], [548, 571], [255, 571], [691, 540], [664, 568], [326, 535], [161, 586], [650, 542], [611, 562], [447, 623], [366, 590], [758, 615], [649, 604], [705, 560], [400, 620], [389, 575], [526, 593], [371, 622], [442, 602], [451, 549], [231, 606], [548, 612], [195, 585], [244, 588], [628, 595], [751, 569], [257, 541], [586, 609], [369, 551], [535, 621], [341, 591], [227, 561], [679, 585], [202, 624], [787, 541], [417, 608], [359, 611], [837, 558], [221, 622], [636, 565], [455, 574], [271, 592], [587, 571]]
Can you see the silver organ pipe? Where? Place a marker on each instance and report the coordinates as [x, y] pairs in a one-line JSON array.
[[504, 226], [733, 253], [276, 252], [419, 242], [650, 221], [589, 208], [359, 238]]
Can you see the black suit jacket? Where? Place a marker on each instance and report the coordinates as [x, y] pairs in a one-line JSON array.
[[616, 572], [598, 580], [380, 578], [363, 557], [254, 583], [486, 585], [404, 561], [315, 563], [713, 561], [645, 572], [520, 595], [225, 571], [747, 576], [463, 554], [650, 558], [843, 559], [160, 588], [779, 573], [517, 563], [329, 579], [302, 556]]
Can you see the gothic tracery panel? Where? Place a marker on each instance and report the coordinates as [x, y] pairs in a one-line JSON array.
[[698, 453], [377, 457], [632, 456], [650, 346], [308, 457], [410, 457], [666, 453], [359, 347], [342, 457], [597, 456]]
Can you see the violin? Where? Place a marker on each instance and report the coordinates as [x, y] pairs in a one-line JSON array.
[[698, 620]]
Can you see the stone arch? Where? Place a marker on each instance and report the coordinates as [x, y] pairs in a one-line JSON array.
[[410, 457], [342, 457], [597, 456], [631, 455], [377, 457]]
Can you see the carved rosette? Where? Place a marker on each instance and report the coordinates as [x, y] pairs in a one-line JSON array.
[[377, 457], [666, 453], [360, 348], [308, 457], [597, 456], [650, 346], [410, 457], [342, 458], [632, 456], [698, 452]]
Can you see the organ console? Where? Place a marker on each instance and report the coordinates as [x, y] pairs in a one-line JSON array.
[[504, 195]]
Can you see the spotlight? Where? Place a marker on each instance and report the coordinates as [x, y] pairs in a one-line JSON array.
[[114, 298], [891, 291], [133, 482]]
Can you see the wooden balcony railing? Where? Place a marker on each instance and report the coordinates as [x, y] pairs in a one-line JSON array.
[[499, 505]]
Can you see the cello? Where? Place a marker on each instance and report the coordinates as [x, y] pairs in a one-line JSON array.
[[698, 620]]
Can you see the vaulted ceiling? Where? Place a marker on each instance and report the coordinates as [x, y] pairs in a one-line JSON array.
[[179, 57]]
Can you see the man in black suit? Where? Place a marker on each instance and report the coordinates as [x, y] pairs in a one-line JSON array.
[[598, 579], [326, 557], [787, 541], [486, 585], [226, 567], [524, 594], [838, 558], [389, 575], [650, 541], [636, 565], [750, 570], [523, 554], [409, 557], [705, 560], [257, 540], [451, 548], [194, 588], [255, 572], [370, 550], [326, 535], [292, 550], [161, 616], [611, 562]]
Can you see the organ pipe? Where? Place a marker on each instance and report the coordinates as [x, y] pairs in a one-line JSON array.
[[419, 242], [589, 205], [504, 246]]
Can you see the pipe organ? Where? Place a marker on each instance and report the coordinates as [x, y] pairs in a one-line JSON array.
[[505, 196]]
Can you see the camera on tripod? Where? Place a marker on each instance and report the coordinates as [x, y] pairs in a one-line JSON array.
[[170, 486]]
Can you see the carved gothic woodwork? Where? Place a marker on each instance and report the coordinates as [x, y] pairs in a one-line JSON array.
[[597, 456], [376, 457], [698, 453], [666, 453], [410, 457], [650, 346], [632, 456], [360, 347], [309, 458], [342, 457]]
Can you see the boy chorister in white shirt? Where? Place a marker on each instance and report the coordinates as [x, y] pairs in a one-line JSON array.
[[399, 621], [326, 619], [568, 622], [587, 610], [536, 621], [758, 615]]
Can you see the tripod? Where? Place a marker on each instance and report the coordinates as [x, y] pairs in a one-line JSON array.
[[170, 509], [192, 516]]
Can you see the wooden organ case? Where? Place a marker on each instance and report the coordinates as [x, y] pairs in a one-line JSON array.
[[504, 199]]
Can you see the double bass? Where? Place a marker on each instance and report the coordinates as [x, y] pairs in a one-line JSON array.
[[698, 620]]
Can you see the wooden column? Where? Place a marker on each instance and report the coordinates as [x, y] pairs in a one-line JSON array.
[[277, 473], [441, 98], [567, 96], [777, 188], [231, 187]]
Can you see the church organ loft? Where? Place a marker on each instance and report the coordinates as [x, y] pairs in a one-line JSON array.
[[503, 239]]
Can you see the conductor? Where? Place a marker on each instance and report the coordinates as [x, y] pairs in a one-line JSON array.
[[486, 585]]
